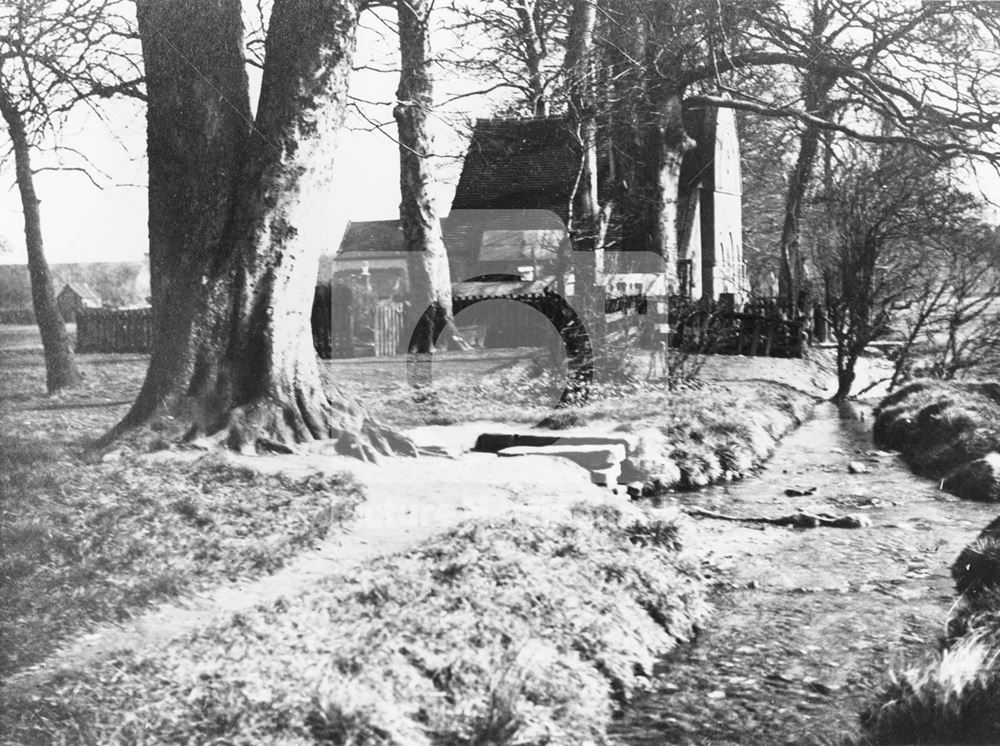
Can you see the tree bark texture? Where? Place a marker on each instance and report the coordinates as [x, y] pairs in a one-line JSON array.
[[430, 278], [231, 197], [534, 55], [585, 215], [790, 255], [673, 142], [816, 91], [60, 366]]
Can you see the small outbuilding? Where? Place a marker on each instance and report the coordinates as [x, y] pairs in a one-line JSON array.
[[73, 297]]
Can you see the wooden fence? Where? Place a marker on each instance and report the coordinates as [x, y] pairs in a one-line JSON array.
[[380, 325], [761, 327], [114, 330], [341, 328]]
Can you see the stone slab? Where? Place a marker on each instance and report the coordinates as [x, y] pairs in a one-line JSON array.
[[586, 455], [496, 442]]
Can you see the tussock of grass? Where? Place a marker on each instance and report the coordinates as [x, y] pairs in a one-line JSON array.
[[940, 426], [978, 566], [503, 632], [953, 700], [85, 543], [976, 480], [715, 433]]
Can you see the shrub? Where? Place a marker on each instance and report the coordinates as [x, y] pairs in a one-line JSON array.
[[978, 566], [954, 700], [939, 426], [976, 480]]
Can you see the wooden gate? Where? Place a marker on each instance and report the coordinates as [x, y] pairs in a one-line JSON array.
[[389, 326]]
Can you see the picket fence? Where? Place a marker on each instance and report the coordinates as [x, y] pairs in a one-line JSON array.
[[114, 330], [378, 327]]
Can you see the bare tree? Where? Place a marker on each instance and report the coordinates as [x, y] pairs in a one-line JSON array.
[[965, 335], [878, 216], [522, 47], [53, 56], [927, 69], [866, 39], [428, 260], [233, 261]]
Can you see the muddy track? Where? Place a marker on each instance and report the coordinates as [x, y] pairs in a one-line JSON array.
[[808, 620]]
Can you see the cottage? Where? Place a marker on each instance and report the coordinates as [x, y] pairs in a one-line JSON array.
[[75, 296], [530, 165], [371, 255]]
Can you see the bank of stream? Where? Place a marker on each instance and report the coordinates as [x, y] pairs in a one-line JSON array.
[[808, 621]]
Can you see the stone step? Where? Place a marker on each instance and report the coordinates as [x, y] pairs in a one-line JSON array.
[[496, 442], [606, 477], [589, 456]]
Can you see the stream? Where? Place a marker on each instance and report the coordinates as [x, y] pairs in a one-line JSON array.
[[807, 622]]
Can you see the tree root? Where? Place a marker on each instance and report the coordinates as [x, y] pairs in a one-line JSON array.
[[266, 425], [795, 520], [274, 426]]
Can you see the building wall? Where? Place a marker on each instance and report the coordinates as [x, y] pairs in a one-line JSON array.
[[727, 272], [695, 255]]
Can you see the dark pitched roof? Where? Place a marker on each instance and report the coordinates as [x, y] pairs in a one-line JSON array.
[[83, 290], [519, 163], [532, 163], [371, 236]]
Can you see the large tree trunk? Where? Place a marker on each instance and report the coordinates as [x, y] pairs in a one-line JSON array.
[[585, 228], [60, 366], [233, 262], [430, 278], [815, 90], [673, 142], [789, 251]]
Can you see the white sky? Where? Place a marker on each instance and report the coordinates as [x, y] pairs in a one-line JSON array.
[[81, 222]]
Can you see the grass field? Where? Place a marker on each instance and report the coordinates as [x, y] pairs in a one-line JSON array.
[[87, 541], [516, 631], [91, 539]]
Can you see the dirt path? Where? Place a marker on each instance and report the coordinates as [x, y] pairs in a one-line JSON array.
[[407, 501], [807, 620]]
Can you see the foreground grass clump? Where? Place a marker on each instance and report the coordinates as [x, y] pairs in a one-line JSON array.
[[86, 543], [719, 431], [955, 698], [940, 426], [513, 632]]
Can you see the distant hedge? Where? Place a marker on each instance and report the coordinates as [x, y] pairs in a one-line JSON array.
[[17, 316]]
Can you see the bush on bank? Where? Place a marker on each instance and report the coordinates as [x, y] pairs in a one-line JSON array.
[[941, 428], [715, 433]]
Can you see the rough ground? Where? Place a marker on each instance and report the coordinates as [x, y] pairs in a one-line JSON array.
[[407, 500], [808, 620]]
